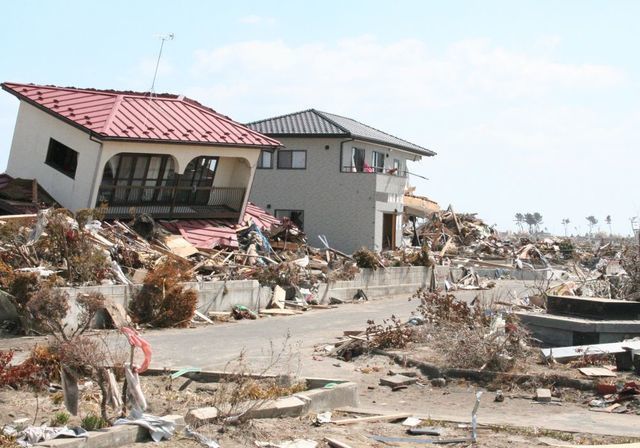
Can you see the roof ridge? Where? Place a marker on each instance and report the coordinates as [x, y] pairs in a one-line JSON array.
[[114, 109], [324, 117], [280, 116], [111, 92], [378, 130]]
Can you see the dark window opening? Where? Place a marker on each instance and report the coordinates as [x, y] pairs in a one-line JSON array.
[[265, 161], [292, 159], [296, 216], [137, 178], [62, 158], [197, 181]]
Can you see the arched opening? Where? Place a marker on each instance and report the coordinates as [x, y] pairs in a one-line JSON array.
[[137, 179], [196, 183]]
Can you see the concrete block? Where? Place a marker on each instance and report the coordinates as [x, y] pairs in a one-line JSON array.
[[397, 380], [282, 407], [201, 416], [543, 395], [112, 437], [321, 400]]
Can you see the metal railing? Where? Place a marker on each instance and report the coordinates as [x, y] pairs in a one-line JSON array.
[[171, 197], [373, 170]]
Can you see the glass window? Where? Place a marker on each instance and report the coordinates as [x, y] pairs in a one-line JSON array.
[[296, 216], [137, 178], [397, 168], [265, 161], [357, 162], [293, 160], [62, 158], [377, 161]]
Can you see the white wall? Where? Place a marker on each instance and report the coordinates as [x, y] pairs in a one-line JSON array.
[[34, 128], [346, 207]]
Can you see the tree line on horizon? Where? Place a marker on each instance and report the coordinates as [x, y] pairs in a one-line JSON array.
[[534, 221]]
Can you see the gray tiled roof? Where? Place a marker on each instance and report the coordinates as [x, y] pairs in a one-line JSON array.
[[318, 123]]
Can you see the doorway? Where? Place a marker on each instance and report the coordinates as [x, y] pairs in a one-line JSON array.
[[388, 231]]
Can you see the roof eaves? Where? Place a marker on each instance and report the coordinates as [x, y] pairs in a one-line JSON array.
[[187, 142], [46, 109], [422, 152]]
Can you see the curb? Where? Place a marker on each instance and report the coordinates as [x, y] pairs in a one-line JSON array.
[[485, 376]]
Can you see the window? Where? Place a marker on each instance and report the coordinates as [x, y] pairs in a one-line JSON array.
[[137, 178], [377, 161], [353, 162], [196, 182], [296, 216], [292, 160], [62, 158], [265, 161], [397, 168]]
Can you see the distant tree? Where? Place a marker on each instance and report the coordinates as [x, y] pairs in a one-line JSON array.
[[519, 219], [592, 221], [537, 217], [530, 220], [565, 223], [608, 221]]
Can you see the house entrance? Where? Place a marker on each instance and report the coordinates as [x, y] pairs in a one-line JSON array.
[[388, 231]]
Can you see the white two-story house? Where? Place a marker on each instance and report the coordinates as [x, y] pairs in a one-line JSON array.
[[336, 177], [164, 155]]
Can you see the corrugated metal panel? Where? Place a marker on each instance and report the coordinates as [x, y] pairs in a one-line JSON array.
[[210, 233], [139, 116]]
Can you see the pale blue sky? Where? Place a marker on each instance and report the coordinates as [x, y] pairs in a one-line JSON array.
[[531, 105]]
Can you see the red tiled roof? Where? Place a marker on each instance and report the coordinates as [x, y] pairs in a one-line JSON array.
[[118, 115], [210, 233]]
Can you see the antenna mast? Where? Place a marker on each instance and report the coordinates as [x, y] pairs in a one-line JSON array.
[[164, 38]]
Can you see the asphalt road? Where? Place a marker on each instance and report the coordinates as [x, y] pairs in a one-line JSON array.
[[214, 346]]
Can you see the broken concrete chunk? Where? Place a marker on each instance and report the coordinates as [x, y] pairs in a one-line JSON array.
[[397, 380], [543, 395], [201, 416], [278, 298], [438, 382]]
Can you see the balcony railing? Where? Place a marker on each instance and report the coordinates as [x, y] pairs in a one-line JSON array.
[[170, 201], [373, 170]]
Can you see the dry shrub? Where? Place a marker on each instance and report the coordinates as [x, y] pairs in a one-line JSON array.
[[392, 333], [630, 288], [66, 246], [366, 258], [464, 335], [163, 301], [49, 308], [243, 389], [24, 374], [283, 274]]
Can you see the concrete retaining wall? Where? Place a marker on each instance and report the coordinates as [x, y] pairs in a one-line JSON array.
[[222, 295]]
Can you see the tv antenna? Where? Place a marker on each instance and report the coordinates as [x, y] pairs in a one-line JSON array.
[[163, 38]]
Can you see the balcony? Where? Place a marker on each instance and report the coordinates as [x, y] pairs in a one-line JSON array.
[[171, 201]]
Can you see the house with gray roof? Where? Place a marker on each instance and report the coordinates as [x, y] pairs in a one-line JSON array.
[[335, 177]]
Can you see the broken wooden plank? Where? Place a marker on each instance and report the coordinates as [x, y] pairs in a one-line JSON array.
[[203, 317], [596, 372], [278, 312], [334, 443], [373, 418], [180, 246], [278, 298]]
